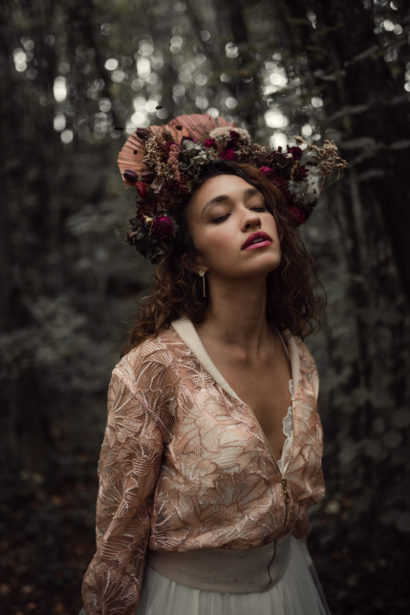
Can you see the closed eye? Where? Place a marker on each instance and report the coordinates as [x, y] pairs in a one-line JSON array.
[[220, 219]]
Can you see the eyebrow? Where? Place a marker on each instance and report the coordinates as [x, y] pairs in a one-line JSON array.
[[224, 197]]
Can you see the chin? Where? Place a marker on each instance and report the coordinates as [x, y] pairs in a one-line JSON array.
[[269, 264]]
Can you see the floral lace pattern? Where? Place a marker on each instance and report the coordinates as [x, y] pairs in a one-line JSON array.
[[185, 465], [287, 428]]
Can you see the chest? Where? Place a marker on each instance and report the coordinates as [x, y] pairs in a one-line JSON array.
[[265, 390]]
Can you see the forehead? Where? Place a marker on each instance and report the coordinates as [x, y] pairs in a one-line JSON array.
[[230, 186]]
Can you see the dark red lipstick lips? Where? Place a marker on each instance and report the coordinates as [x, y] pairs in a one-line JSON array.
[[255, 237]]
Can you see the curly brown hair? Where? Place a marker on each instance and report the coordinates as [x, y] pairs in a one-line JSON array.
[[177, 289]]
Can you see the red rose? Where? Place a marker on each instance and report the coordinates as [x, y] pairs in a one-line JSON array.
[[227, 154], [162, 226], [210, 143]]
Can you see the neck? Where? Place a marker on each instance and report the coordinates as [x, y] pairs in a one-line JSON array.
[[236, 316]]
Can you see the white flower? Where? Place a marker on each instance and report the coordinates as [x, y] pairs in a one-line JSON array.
[[223, 133]]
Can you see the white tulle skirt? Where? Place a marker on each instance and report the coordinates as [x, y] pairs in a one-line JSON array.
[[298, 592]]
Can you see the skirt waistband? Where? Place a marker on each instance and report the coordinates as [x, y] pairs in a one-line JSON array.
[[225, 570]]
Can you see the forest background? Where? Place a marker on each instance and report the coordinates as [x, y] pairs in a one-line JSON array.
[[76, 77]]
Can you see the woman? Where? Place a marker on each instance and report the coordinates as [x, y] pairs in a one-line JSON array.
[[212, 451]]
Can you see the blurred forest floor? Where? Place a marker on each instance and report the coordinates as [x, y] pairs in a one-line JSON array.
[[48, 540]]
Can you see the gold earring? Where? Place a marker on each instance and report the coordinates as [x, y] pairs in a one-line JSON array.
[[202, 274]]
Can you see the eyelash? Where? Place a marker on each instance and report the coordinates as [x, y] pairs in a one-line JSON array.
[[220, 219]]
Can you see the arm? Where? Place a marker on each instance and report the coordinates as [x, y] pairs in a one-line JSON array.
[[128, 470]]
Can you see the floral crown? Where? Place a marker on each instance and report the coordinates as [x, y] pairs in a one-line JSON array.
[[164, 163]]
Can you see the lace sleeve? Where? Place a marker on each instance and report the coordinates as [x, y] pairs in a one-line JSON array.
[[128, 470]]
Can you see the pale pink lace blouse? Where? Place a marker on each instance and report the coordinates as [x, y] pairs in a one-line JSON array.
[[185, 464]]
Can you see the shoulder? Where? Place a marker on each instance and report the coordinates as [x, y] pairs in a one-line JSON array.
[[150, 360], [306, 356], [308, 368], [303, 362]]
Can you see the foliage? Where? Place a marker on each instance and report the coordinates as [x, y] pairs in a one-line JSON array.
[[76, 77]]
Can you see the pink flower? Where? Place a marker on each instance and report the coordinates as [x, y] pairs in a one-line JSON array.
[[297, 214], [169, 144], [162, 226], [267, 171], [227, 154]]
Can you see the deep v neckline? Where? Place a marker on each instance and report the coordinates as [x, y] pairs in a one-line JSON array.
[[189, 335]]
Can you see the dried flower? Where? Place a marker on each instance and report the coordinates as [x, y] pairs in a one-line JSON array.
[[299, 173], [130, 176], [173, 166], [148, 176], [223, 134], [283, 186]]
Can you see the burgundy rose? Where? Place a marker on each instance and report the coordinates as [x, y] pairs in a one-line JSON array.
[[297, 214], [141, 188], [130, 176], [162, 227], [210, 143], [296, 152], [227, 154]]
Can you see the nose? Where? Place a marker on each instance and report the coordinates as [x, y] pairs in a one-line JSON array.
[[251, 220]]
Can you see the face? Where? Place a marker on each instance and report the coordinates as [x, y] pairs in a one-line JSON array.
[[233, 232]]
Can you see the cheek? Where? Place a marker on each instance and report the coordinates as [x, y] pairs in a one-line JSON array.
[[274, 228], [215, 245]]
